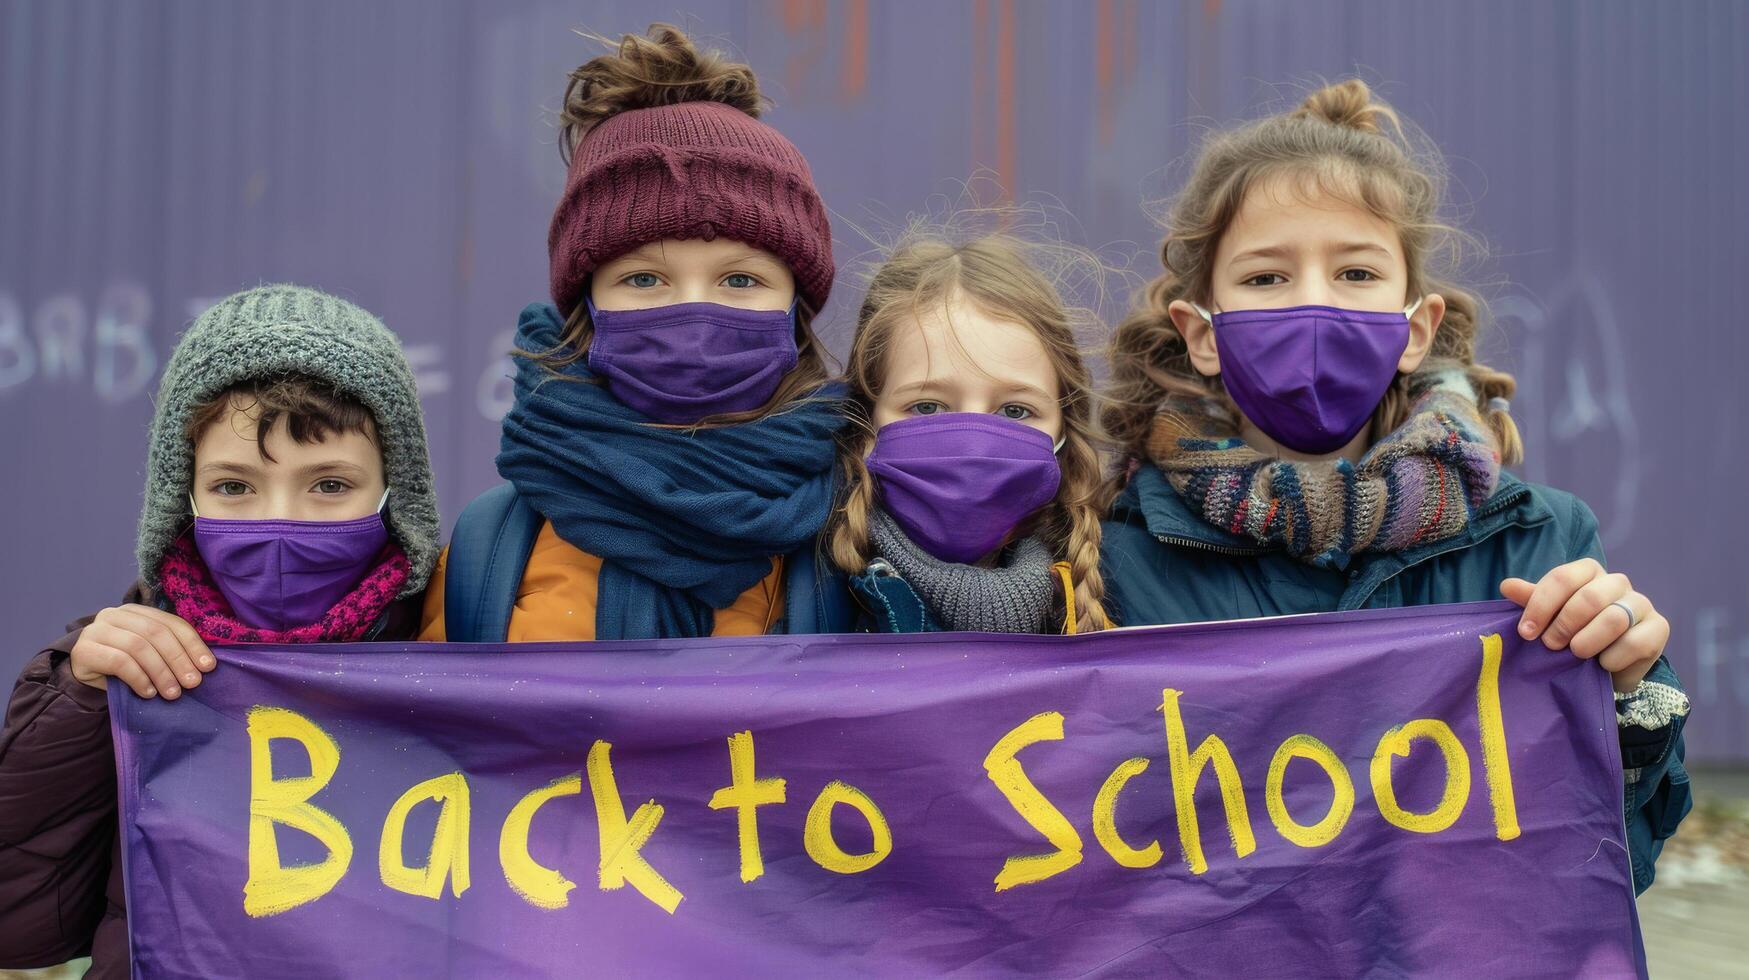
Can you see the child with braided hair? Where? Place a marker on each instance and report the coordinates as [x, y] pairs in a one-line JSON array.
[[970, 474]]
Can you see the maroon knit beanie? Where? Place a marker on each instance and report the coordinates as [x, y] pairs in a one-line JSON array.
[[692, 170]]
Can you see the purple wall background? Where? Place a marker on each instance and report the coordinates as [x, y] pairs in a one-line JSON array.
[[156, 155]]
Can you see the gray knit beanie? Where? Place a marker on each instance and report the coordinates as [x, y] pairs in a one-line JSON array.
[[279, 330]]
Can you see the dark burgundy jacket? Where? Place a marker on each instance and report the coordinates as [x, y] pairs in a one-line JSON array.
[[60, 850]]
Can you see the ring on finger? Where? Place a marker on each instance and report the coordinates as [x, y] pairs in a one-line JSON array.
[[1622, 604]]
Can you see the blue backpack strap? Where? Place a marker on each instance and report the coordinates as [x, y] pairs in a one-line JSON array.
[[488, 551], [816, 596]]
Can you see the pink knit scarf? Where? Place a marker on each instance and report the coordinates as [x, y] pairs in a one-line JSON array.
[[193, 596]]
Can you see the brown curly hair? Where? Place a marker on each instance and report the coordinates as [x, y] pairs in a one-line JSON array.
[[660, 67], [312, 409]]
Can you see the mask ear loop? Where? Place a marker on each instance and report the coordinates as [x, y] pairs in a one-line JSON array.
[[382, 500], [1206, 315], [192, 509], [1409, 312]]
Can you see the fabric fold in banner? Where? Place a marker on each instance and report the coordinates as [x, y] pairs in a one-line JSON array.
[[1398, 792]]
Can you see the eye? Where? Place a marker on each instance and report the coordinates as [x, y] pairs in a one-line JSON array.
[[1018, 413], [739, 280], [332, 486], [230, 488], [927, 408], [1265, 279], [642, 280], [1357, 275]]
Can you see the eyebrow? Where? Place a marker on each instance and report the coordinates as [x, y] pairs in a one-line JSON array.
[[931, 385], [332, 466], [1347, 247], [750, 255], [1023, 387], [928, 384], [328, 466], [1266, 252], [241, 469], [647, 253], [1284, 251]]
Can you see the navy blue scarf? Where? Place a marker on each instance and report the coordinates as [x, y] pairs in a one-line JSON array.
[[684, 521]]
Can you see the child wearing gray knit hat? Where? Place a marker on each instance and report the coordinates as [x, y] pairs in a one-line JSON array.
[[277, 331], [288, 499]]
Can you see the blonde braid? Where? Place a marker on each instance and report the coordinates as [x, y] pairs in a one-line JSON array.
[[1075, 530], [1082, 547], [849, 543]]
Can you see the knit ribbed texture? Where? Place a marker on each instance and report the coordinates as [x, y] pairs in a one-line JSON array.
[[1650, 706], [693, 170], [196, 599], [269, 332], [1013, 598], [1418, 485], [683, 520]]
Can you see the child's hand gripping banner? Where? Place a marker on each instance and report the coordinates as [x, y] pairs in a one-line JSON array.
[[1411, 791]]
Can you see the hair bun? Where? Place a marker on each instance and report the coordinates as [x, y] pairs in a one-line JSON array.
[[660, 67], [1348, 103]]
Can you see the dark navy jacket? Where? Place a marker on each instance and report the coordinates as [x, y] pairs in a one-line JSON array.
[[1164, 564]]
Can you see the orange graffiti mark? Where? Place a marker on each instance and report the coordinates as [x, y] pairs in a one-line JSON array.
[[1005, 97], [855, 49], [980, 66], [1114, 60], [798, 15], [806, 18], [1102, 68], [1126, 35]]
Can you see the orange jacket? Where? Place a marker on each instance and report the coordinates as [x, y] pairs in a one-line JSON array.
[[556, 600]]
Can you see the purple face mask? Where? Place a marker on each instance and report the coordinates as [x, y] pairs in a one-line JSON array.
[[960, 483], [279, 575], [1309, 376], [681, 363]]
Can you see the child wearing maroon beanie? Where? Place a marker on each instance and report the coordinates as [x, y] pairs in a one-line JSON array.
[[670, 450]]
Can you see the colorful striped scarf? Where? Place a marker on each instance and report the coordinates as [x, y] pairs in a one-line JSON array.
[[1418, 485]]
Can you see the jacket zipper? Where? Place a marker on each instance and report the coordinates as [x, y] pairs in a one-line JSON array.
[[1205, 546], [1494, 507]]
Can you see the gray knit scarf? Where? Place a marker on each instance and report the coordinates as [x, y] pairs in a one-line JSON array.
[[1014, 598]]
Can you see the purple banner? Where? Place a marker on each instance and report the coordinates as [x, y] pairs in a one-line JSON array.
[[156, 155], [1399, 792]]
